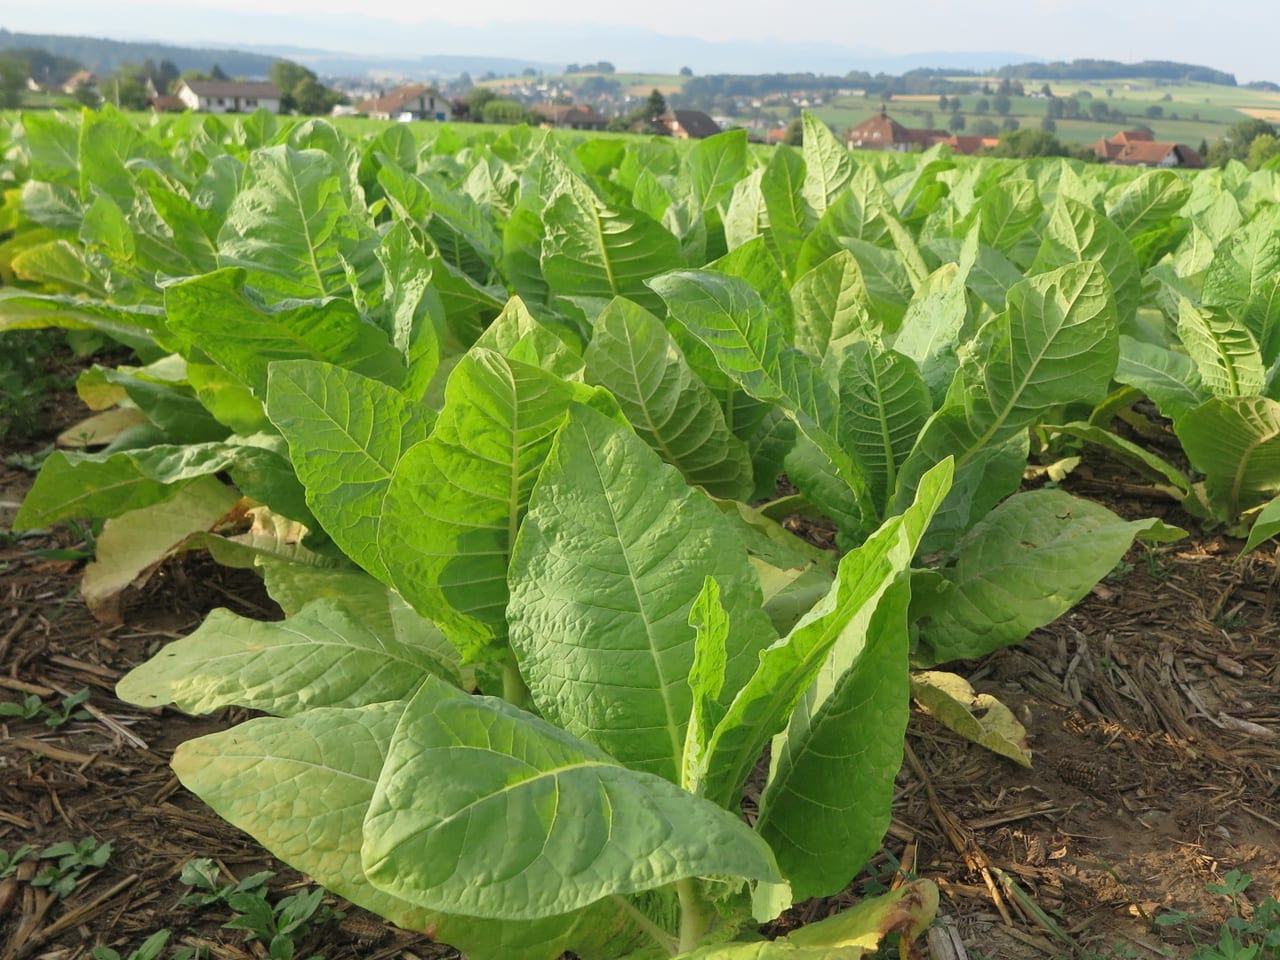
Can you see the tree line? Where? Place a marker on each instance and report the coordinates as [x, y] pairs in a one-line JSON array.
[[131, 86]]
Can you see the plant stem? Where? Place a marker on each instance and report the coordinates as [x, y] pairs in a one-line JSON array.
[[663, 939], [514, 690], [695, 919]]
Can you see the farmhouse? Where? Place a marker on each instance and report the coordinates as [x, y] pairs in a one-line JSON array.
[[228, 96], [882, 132], [570, 117], [686, 124], [78, 79], [1137, 148], [412, 102]]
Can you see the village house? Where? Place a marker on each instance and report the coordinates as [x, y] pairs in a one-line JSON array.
[[228, 96], [412, 102], [686, 125], [85, 78], [882, 132], [573, 116], [1137, 148]]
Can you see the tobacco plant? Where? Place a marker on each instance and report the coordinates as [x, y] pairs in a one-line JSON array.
[[494, 413]]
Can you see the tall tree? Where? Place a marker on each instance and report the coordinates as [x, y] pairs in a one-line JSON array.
[[13, 79], [286, 76], [656, 105]]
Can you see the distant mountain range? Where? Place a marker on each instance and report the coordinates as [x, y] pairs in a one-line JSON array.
[[631, 49], [104, 57], [369, 48]]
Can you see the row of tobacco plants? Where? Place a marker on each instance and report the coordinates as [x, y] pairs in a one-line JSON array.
[[500, 422]]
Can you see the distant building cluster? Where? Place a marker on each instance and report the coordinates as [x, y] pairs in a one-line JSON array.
[[1131, 148], [1136, 148], [882, 132]]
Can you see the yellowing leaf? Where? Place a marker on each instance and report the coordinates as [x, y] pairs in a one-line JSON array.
[[979, 717]]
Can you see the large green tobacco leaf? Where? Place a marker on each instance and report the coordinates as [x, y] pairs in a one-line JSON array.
[[1148, 202], [884, 404], [715, 165], [51, 141], [302, 785], [65, 266], [747, 216], [455, 500], [1028, 562], [291, 226], [609, 560], [754, 263], [1235, 443], [718, 768], [106, 484], [161, 393], [828, 799], [552, 344], [1169, 378], [486, 809], [322, 656], [937, 321], [1225, 352], [1077, 233], [828, 164], [224, 319], [668, 404], [736, 327], [593, 250], [1244, 280], [294, 583], [415, 312], [1008, 211], [1265, 526], [789, 216], [1056, 344], [108, 141], [832, 305], [346, 433]]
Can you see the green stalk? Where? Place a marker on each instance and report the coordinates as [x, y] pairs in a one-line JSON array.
[[514, 690], [659, 936], [695, 914]]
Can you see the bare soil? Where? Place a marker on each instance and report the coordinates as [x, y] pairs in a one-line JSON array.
[[1152, 710]]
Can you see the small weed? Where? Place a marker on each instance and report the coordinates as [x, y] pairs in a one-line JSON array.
[[1157, 569], [32, 707], [85, 532], [1240, 938], [68, 710], [30, 462], [28, 709], [9, 862], [276, 925], [1120, 570], [150, 949], [73, 860], [203, 875]]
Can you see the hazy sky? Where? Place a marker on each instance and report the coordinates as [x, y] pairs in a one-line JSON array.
[[1234, 35]]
